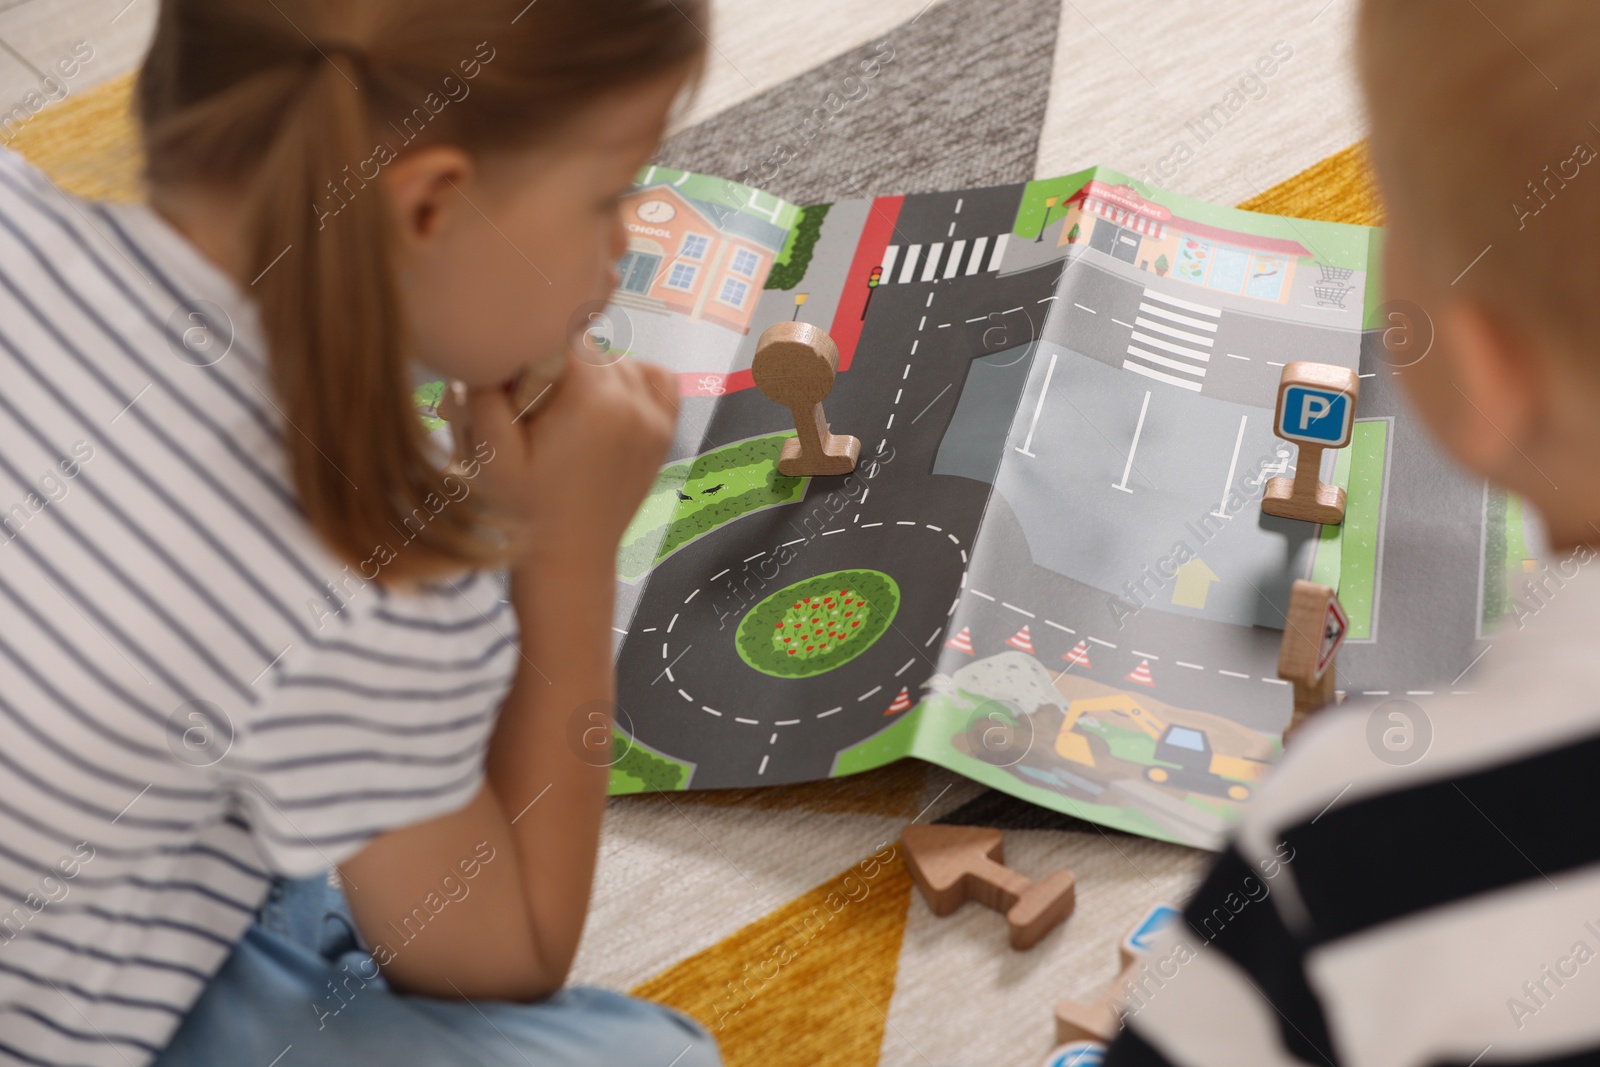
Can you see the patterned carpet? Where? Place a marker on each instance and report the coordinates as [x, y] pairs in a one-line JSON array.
[[765, 913]]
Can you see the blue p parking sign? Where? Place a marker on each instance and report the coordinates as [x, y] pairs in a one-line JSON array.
[[1315, 416]]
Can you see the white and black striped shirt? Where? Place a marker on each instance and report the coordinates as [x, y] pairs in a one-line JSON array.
[[194, 694], [1417, 884]]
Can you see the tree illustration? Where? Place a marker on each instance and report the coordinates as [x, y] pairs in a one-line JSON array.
[[1162, 266], [1072, 234]]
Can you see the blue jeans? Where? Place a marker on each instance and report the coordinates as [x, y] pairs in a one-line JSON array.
[[277, 992]]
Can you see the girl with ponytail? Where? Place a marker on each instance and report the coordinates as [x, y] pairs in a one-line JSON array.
[[322, 785]]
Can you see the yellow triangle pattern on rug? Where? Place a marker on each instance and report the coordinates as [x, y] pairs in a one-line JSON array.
[[87, 143], [1340, 188], [809, 983]]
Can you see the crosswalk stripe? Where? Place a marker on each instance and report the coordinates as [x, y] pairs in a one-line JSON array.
[[1000, 244], [1140, 368], [1168, 346], [941, 256], [1173, 316], [890, 254], [953, 264], [975, 264], [1187, 305], [1172, 331], [911, 263], [1166, 361]]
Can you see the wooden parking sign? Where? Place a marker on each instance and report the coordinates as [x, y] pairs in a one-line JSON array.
[[1316, 411], [1316, 404]]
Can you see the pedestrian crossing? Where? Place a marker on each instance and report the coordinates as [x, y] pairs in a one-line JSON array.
[[926, 263], [1170, 335]]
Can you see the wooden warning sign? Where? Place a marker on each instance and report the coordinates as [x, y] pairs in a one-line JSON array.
[[1314, 628]]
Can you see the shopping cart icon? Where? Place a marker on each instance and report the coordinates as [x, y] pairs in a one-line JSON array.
[[1331, 290]]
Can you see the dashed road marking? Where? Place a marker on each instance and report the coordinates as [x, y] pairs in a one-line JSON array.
[[1191, 666], [1090, 310], [714, 711], [747, 722], [1058, 626], [1097, 641], [1233, 674], [868, 693], [830, 711], [1142, 655], [985, 596], [907, 667], [1019, 611], [686, 696]]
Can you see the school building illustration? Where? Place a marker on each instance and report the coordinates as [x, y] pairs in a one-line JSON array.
[[692, 258]]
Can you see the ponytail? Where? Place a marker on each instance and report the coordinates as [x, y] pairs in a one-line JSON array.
[[327, 293], [234, 95]]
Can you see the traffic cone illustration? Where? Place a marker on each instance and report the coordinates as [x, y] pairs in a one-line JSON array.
[[962, 642], [1140, 675], [1021, 641], [901, 702], [1078, 655]]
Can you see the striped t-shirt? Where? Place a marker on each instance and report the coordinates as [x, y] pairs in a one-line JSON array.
[[1417, 884], [194, 694]]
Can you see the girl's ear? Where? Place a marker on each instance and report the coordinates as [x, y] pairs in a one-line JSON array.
[[1501, 382], [426, 187]]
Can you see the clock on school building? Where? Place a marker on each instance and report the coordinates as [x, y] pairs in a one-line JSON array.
[[656, 211]]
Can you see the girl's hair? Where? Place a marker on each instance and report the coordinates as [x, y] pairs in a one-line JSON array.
[[295, 105]]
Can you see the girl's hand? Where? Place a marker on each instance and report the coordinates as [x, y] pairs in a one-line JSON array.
[[573, 473]]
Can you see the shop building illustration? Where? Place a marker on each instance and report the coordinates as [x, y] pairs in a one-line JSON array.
[[688, 257], [1117, 221]]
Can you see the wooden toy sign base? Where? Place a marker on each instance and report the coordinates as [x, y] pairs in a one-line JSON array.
[[1305, 497]]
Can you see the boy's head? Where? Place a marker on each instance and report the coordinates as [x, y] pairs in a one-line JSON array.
[[1485, 120]]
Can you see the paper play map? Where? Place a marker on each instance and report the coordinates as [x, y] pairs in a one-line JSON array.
[[1050, 572]]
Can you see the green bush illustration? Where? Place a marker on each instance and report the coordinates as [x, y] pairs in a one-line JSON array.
[[666, 522], [657, 775], [790, 274]]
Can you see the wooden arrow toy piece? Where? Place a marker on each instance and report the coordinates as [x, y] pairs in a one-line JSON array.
[[954, 864]]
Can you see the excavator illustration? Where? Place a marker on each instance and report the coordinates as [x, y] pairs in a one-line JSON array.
[[1184, 756]]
